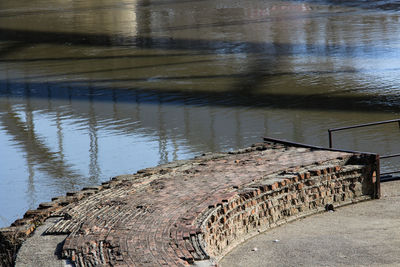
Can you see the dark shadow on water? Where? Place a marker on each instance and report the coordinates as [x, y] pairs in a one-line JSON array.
[[125, 56], [323, 101], [11, 48], [207, 46], [388, 5], [107, 70]]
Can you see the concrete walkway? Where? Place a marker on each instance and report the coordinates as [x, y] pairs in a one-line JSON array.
[[365, 234]]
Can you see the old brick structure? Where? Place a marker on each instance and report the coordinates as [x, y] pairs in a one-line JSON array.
[[199, 209]]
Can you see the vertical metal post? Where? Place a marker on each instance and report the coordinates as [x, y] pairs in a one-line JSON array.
[[330, 138], [378, 178]]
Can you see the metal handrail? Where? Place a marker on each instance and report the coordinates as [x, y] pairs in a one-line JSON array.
[[330, 131], [358, 126], [390, 156], [387, 173]]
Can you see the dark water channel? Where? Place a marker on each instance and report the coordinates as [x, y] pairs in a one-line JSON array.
[[92, 89]]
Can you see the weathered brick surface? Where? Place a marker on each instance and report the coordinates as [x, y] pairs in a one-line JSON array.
[[192, 210]]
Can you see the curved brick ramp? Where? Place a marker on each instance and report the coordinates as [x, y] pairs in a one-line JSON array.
[[193, 210]]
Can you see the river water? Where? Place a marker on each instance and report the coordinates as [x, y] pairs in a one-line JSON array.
[[92, 89]]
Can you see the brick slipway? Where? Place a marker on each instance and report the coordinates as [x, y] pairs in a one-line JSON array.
[[186, 212], [365, 234]]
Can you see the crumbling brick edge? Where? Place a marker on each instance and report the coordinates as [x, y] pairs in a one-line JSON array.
[[238, 215], [283, 198]]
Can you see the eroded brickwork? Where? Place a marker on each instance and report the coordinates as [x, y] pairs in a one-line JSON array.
[[192, 210], [281, 198]]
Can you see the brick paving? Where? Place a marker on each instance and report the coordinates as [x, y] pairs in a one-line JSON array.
[[189, 211]]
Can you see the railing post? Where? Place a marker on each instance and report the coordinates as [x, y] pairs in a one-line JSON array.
[[330, 137], [378, 178]]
